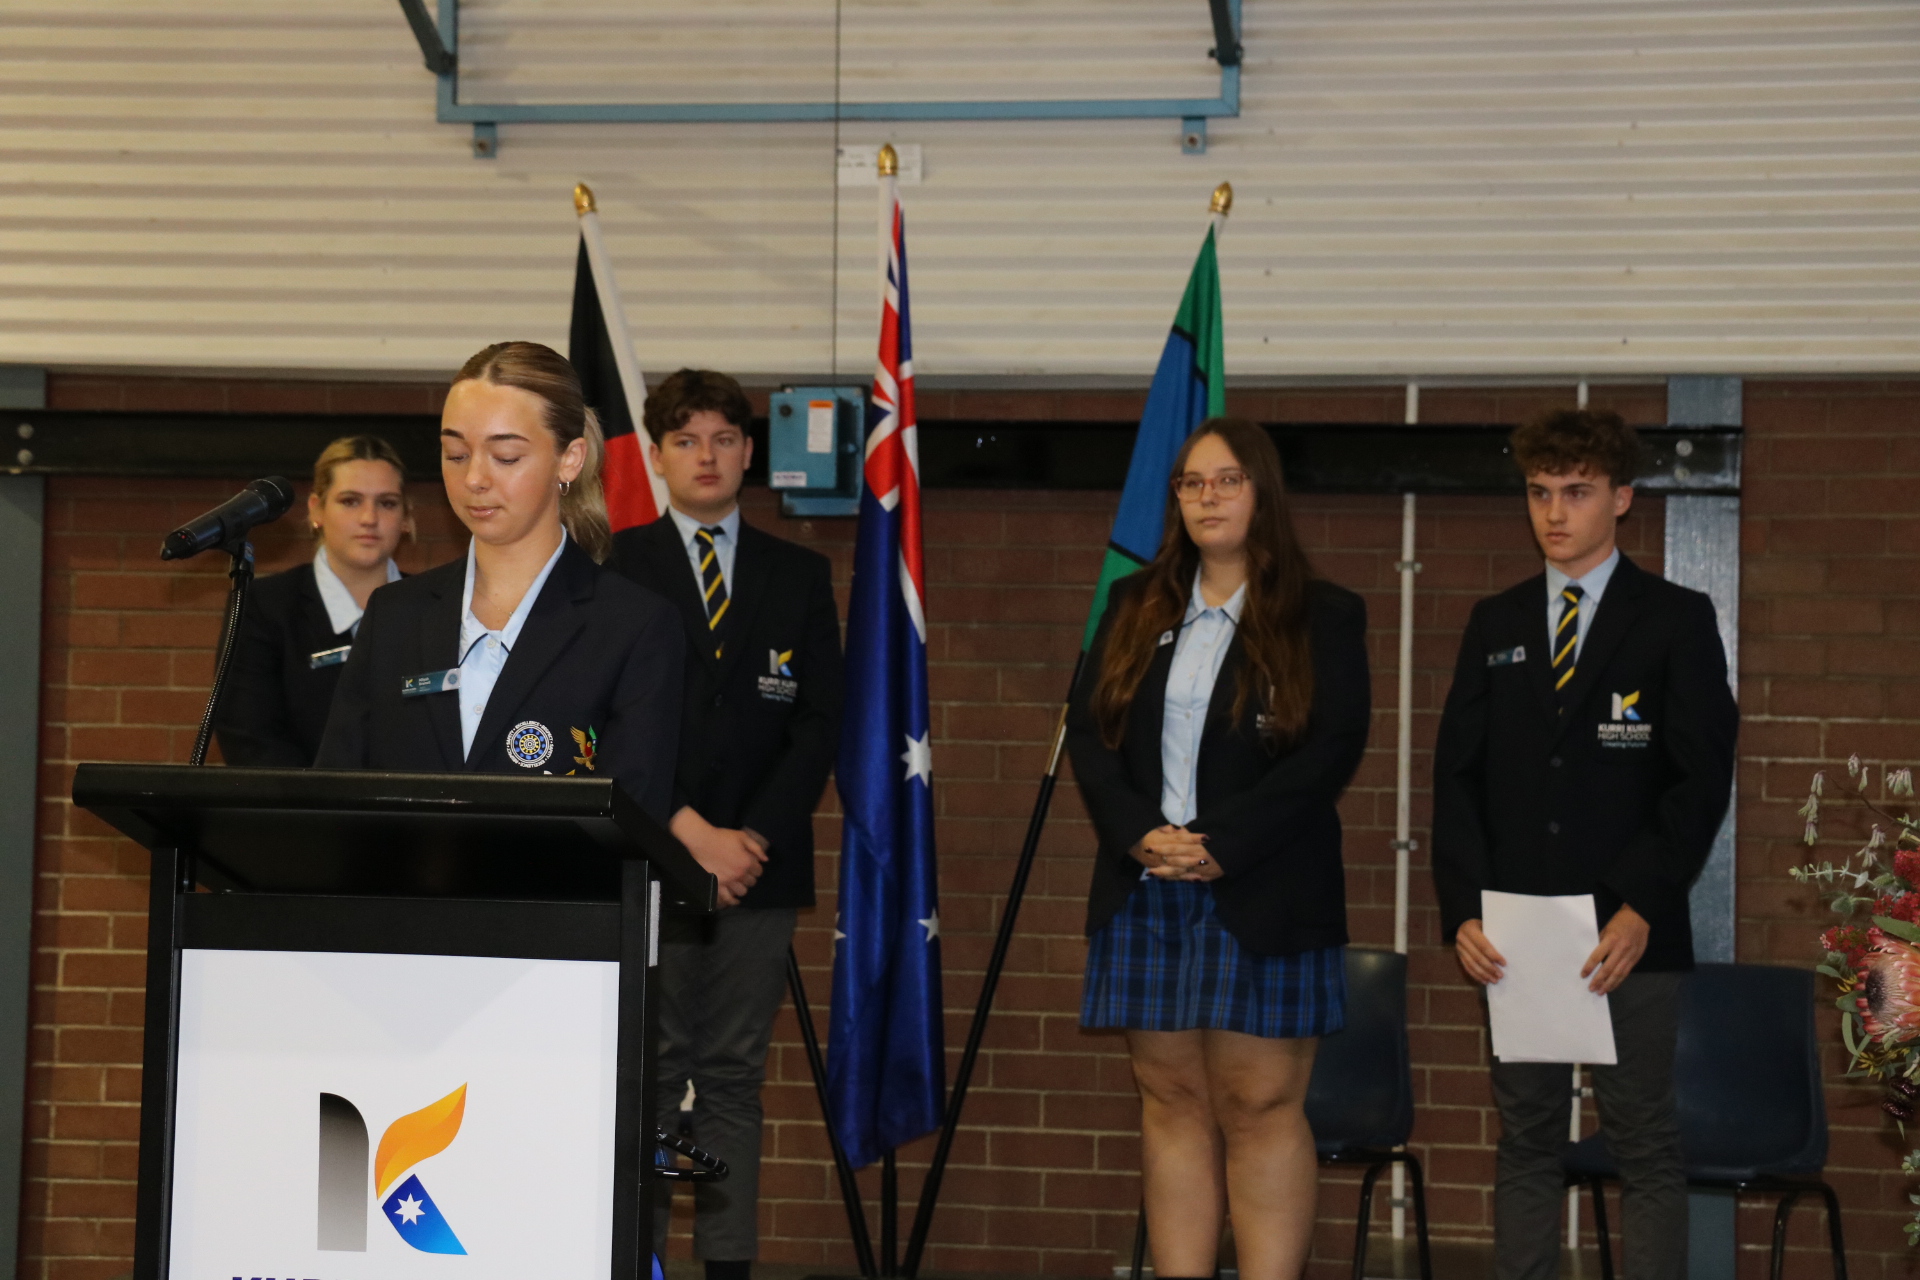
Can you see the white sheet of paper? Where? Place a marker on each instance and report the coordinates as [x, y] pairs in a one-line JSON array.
[[1540, 1009]]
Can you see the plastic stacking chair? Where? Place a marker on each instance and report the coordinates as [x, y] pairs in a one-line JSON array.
[[1753, 1112], [1360, 1099]]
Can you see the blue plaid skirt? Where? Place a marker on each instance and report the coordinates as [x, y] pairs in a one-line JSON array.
[[1165, 963]]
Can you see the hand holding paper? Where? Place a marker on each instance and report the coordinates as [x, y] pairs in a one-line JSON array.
[[1541, 1009]]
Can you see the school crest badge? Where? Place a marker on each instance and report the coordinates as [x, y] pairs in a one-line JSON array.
[[529, 744]]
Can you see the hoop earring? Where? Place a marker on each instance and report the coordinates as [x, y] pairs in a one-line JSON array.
[[566, 487]]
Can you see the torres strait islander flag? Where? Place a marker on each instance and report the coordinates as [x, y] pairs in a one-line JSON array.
[[601, 351], [1188, 388], [886, 1065]]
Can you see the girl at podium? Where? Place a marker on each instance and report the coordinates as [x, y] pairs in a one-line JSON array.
[[525, 656], [299, 625]]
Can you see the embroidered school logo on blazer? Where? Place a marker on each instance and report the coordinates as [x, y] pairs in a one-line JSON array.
[[407, 1141], [1626, 728], [778, 684]]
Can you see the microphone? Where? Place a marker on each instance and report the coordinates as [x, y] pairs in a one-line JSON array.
[[262, 502]]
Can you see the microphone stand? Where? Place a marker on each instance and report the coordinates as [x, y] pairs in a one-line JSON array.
[[240, 572]]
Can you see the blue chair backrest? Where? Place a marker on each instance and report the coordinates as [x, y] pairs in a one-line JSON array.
[[1361, 1094], [1747, 1070]]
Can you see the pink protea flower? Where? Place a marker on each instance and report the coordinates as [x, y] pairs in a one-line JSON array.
[[1889, 1000]]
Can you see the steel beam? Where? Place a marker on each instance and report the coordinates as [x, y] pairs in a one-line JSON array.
[[433, 52], [452, 110]]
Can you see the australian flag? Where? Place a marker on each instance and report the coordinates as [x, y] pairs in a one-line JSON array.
[[886, 1065]]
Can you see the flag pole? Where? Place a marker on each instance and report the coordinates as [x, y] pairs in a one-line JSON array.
[[1219, 208], [886, 170], [849, 1188], [619, 337], [957, 1098]]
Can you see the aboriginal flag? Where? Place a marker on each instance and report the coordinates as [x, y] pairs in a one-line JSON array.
[[610, 376]]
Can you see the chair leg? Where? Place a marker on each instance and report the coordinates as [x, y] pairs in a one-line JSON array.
[[1139, 1243], [1420, 1214], [1365, 1220], [1779, 1261], [1602, 1233], [1835, 1239]]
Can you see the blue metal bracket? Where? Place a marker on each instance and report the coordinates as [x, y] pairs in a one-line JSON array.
[[451, 110], [1193, 135]]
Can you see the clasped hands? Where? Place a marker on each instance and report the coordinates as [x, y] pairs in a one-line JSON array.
[[733, 857], [1175, 853]]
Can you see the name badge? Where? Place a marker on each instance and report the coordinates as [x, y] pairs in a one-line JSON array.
[[431, 682], [329, 657], [1507, 657]]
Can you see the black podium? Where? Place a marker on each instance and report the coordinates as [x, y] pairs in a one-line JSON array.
[[330, 953]]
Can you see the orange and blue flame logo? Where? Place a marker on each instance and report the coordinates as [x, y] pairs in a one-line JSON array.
[[409, 1140]]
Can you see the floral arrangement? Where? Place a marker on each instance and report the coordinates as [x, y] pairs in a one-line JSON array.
[[1873, 955]]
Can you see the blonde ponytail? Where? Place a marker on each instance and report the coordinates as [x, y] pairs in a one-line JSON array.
[[583, 508]]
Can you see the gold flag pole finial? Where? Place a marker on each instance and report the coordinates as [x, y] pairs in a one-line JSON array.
[[1223, 199], [583, 199], [888, 162]]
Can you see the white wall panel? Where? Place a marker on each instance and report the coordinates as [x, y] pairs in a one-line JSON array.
[[1552, 187]]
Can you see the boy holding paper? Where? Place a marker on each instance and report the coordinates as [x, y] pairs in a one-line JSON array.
[[1587, 747]]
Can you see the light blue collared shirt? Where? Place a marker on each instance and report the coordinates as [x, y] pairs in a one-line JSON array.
[[343, 611], [1198, 650], [723, 546], [483, 653], [1594, 584]]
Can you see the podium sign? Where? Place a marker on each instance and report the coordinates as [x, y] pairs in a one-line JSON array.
[[347, 1116], [404, 1034]]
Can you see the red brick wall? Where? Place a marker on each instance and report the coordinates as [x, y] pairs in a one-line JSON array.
[[1042, 1179], [1829, 667]]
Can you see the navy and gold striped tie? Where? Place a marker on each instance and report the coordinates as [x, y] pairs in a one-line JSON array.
[[1566, 641], [713, 586]]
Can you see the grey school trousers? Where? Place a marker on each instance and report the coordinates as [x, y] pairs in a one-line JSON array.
[[719, 989], [1642, 1131]]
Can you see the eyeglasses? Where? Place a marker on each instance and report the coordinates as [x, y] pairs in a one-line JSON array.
[[1227, 484]]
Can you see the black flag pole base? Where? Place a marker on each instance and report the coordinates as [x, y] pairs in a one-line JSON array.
[[889, 1216], [849, 1189], [889, 1221], [1009, 915]]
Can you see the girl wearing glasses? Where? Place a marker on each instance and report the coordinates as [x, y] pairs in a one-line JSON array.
[[1224, 708]]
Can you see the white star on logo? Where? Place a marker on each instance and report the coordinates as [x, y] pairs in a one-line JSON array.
[[931, 924], [919, 758], [409, 1211]]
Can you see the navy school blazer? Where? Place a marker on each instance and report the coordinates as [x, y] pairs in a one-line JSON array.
[[596, 653], [1270, 816], [1621, 796], [762, 721], [275, 703]]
